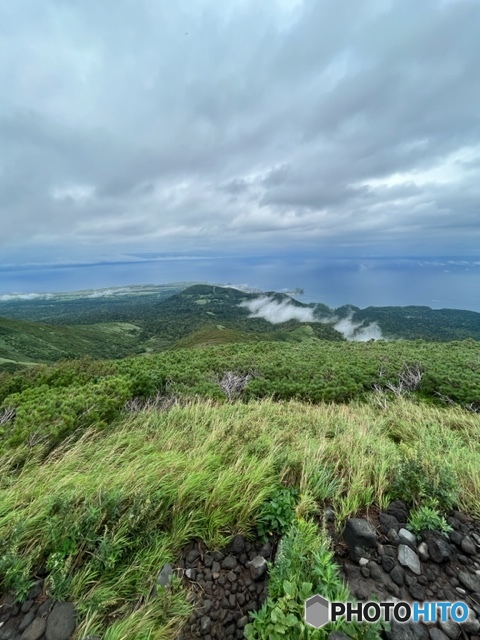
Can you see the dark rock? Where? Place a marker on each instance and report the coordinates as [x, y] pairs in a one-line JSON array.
[[216, 567], [388, 563], [393, 538], [456, 537], [208, 560], [398, 576], [471, 624], [238, 545], [44, 608], [388, 522], [60, 622], [399, 509], [468, 546], [205, 624], [192, 556], [26, 620], [469, 581], [36, 590], [450, 628], [26, 606], [36, 630], [407, 631], [229, 562], [417, 591], [361, 538], [438, 547], [438, 634], [375, 571]]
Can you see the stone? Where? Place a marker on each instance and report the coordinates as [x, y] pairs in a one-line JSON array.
[[26, 606], [363, 562], [26, 620], [417, 591], [398, 576], [238, 545], [469, 581], [399, 509], [192, 556], [388, 522], [388, 563], [437, 634], [257, 566], [471, 624], [35, 630], [408, 558], [242, 622], [422, 551], [450, 628], [35, 590], [468, 546], [163, 578], [205, 624], [407, 631], [438, 548], [44, 608], [361, 538], [407, 537], [375, 571], [393, 538], [61, 622], [229, 562], [191, 574]]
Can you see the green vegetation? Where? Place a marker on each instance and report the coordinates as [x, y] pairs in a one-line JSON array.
[[153, 319], [110, 468], [427, 518], [304, 567], [25, 343]]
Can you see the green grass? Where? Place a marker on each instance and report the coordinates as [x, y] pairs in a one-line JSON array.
[[106, 510]]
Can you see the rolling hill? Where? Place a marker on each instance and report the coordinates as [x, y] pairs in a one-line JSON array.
[[143, 320]]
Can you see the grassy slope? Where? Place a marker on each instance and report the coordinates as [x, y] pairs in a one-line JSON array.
[[108, 511], [26, 342]]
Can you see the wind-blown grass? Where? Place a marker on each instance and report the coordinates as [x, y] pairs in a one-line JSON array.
[[105, 512]]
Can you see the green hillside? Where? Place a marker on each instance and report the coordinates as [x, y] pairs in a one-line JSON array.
[[110, 469], [26, 343]]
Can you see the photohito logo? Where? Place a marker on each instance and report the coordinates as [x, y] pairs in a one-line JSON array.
[[319, 611]]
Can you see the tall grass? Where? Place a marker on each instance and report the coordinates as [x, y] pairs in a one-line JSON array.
[[105, 512]]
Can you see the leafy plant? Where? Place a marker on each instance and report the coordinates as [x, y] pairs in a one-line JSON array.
[[15, 574], [304, 567], [427, 518], [277, 513]]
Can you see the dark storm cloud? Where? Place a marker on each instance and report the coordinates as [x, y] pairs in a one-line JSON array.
[[156, 126]]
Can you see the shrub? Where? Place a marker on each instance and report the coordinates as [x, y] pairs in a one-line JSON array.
[[427, 518], [420, 477]]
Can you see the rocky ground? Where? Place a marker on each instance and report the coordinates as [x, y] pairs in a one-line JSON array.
[[377, 556]]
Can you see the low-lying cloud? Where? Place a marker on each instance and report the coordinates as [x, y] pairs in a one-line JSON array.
[[277, 312], [356, 332]]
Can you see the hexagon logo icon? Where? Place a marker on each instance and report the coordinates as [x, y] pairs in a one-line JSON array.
[[317, 611]]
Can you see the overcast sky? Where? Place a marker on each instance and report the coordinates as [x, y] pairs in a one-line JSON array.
[[136, 127]]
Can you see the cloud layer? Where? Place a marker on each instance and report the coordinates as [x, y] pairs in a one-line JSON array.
[[142, 126], [277, 312]]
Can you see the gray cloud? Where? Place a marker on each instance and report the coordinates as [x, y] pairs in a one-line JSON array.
[[320, 124]]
